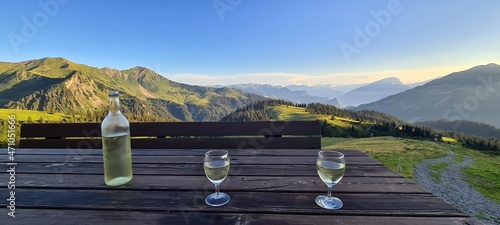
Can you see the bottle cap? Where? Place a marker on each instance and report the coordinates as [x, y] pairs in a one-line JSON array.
[[113, 93]]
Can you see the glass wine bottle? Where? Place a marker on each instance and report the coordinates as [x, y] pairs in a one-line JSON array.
[[115, 131]]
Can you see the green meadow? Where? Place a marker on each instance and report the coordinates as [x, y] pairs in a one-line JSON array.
[[25, 115]]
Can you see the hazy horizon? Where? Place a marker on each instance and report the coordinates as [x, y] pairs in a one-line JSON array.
[[283, 79]]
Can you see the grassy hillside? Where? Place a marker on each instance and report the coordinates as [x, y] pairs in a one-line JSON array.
[[25, 116], [342, 125], [283, 112]]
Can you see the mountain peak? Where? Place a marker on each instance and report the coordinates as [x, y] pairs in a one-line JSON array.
[[483, 67], [45, 61], [389, 80], [50, 61], [140, 68], [110, 72], [373, 91], [140, 71], [54, 59]]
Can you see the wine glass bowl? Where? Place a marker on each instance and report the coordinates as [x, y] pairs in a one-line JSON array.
[[331, 167], [216, 165]]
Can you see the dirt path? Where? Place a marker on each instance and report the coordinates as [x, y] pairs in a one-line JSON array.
[[453, 189]]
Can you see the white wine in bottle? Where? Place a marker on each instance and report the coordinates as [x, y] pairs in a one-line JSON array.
[[117, 154]]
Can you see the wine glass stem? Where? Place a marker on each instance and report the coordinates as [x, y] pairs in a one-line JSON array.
[[330, 191], [217, 189]]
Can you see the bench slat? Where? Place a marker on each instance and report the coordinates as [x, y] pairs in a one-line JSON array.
[[176, 129], [180, 135], [184, 143]]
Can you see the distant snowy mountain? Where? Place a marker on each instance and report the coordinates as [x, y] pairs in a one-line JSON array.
[[373, 92]]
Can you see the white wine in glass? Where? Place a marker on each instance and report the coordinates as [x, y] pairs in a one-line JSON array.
[[216, 165], [331, 167]]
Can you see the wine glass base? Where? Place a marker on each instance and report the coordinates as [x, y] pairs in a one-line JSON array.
[[329, 202], [217, 200]]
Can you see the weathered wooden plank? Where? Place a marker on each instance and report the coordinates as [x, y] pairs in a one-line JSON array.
[[196, 169], [184, 143], [232, 182], [386, 204], [55, 130], [224, 143], [180, 152], [229, 128], [63, 217], [177, 129], [272, 160]]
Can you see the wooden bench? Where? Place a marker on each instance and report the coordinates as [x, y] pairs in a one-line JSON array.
[[180, 135]]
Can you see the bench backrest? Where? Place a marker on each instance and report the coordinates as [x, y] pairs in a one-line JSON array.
[[183, 135]]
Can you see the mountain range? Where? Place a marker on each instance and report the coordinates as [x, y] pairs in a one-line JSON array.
[[279, 92], [59, 85], [471, 95], [340, 96]]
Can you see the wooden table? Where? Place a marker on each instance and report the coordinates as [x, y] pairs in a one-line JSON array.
[[66, 186]]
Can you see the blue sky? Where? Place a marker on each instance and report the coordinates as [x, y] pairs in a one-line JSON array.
[[260, 41]]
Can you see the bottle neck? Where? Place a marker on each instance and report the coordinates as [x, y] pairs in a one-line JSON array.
[[114, 105]]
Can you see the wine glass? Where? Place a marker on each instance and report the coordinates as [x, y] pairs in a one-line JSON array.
[[331, 168], [216, 165]]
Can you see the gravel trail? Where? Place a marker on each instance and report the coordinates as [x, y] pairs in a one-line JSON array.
[[455, 190]]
